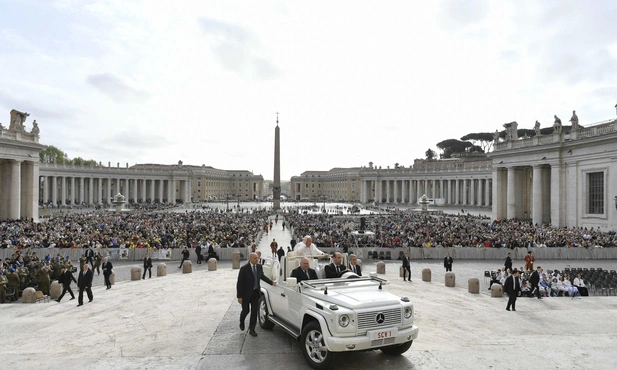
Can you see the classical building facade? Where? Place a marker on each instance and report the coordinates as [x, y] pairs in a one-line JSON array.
[[63, 184], [462, 181], [567, 178], [564, 179], [19, 168]]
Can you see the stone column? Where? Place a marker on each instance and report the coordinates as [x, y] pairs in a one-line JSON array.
[[511, 193], [499, 193], [395, 184], [472, 192], [457, 192], [62, 190], [90, 190], [537, 196], [5, 189], [151, 191], [143, 190], [15, 197], [29, 207], [556, 214], [45, 189], [72, 191]]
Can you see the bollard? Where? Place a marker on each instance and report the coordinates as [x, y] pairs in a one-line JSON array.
[[235, 260], [135, 273], [496, 291], [212, 264], [450, 279], [426, 275], [161, 269], [381, 267], [187, 267], [27, 296], [112, 278], [473, 286], [56, 290]]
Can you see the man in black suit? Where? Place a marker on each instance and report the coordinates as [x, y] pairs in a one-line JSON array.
[[336, 268], [406, 267], [303, 272], [248, 290], [198, 253], [107, 269], [512, 286], [65, 280], [534, 280], [84, 282], [447, 262], [353, 265], [508, 264], [147, 267], [90, 256]]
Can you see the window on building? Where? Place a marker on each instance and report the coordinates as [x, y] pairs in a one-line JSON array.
[[596, 192]]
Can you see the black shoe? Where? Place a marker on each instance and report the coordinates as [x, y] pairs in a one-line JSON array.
[[507, 309], [81, 304], [90, 300], [513, 309], [57, 300], [539, 297], [242, 326], [71, 299], [252, 333], [143, 278]]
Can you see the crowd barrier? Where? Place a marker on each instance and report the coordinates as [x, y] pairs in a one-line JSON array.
[[225, 254]]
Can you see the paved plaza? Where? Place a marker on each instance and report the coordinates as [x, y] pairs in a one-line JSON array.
[[190, 321]]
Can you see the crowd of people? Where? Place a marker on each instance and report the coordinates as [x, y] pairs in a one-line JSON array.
[[407, 229]]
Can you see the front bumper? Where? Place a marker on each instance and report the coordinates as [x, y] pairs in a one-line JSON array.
[[361, 343]]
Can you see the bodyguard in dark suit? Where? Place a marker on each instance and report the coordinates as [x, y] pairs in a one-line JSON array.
[[198, 253], [508, 264], [534, 280], [406, 267], [90, 256], [84, 282], [353, 265], [447, 262], [107, 269], [147, 267], [65, 280], [336, 268], [512, 286], [248, 290], [303, 272]]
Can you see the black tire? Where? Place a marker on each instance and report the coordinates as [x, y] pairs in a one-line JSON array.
[[396, 349], [314, 347], [262, 315]]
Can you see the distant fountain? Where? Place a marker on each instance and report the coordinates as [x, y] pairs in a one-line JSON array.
[[424, 203], [118, 202]]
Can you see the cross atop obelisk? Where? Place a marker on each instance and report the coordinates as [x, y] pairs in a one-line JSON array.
[[276, 191]]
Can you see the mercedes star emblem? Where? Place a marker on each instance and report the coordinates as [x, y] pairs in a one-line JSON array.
[[380, 318]]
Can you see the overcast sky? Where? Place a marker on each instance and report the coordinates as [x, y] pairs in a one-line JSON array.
[[158, 81]]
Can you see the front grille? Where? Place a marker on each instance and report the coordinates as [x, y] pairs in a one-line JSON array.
[[368, 320]]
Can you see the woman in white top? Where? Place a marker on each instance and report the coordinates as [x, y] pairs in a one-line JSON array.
[[572, 290], [580, 284], [560, 286]]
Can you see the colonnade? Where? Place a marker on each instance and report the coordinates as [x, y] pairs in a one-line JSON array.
[[466, 191], [528, 192], [66, 190], [18, 189]]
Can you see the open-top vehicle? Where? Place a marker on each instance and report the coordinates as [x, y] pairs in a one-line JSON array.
[[345, 314]]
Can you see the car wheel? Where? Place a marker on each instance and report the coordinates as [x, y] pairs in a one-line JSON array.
[[264, 322], [314, 347], [396, 349]]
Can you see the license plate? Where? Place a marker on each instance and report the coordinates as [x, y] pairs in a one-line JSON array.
[[383, 334]]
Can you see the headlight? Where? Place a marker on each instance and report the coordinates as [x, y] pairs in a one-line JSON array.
[[408, 312], [343, 321]]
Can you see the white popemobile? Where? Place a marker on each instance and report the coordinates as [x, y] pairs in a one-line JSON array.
[[345, 314]]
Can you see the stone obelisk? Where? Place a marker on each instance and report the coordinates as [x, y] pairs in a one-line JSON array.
[[276, 191]]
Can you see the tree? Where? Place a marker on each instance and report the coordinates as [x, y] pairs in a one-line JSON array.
[[481, 139], [51, 154], [452, 146], [430, 154]]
